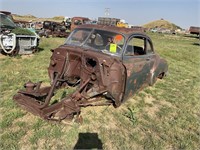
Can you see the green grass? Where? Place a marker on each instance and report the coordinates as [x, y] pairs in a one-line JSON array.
[[165, 116]]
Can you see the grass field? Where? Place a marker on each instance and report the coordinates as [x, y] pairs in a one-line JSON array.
[[165, 116]]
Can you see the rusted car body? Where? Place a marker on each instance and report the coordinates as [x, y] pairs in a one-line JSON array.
[[54, 29], [107, 64], [76, 21]]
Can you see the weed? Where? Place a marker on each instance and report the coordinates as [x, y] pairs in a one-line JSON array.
[[130, 114]]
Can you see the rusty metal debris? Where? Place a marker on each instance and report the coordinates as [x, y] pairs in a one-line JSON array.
[[55, 29], [76, 21], [107, 64]]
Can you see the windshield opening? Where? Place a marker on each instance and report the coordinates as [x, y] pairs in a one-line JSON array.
[[98, 40], [78, 37], [6, 22]]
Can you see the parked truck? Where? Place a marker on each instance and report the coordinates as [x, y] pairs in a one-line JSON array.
[[194, 30], [112, 22]]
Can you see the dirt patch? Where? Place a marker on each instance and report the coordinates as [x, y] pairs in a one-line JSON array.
[[99, 117], [151, 111], [15, 59], [41, 144], [3, 56], [27, 56], [28, 118], [149, 99], [166, 103], [155, 107], [24, 142], [45, 84]]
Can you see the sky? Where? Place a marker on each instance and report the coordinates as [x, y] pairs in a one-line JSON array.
[[184, 13]]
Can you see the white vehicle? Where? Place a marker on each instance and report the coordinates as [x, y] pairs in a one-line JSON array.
[[15, 43]]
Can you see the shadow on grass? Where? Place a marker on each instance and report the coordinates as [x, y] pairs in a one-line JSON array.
[[192, 36], [197, 44], [88, 141], [39, 49]]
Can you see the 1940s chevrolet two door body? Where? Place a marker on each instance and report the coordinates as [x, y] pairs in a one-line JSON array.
[[102, 61]]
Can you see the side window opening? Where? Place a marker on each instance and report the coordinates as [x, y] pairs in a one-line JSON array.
[[107, 42], [136, 46], [98, 40], [77, 22]]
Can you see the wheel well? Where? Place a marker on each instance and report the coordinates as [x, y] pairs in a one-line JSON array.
[[161, 75]]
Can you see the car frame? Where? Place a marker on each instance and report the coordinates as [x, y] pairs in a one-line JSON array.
[[100, 67]]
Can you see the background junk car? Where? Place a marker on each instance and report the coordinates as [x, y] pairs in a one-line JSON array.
[[102, 61], [16, 40]]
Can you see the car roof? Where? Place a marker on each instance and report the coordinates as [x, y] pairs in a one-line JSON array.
[[126, 31], [6, 12], [84, 18]]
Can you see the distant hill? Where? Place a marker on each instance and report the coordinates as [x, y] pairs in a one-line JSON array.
[[33, 18], [161, 24], [154, 24], [24, 18], [59, 18]]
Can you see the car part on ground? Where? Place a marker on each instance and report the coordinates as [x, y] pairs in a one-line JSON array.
[[107, 64]]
